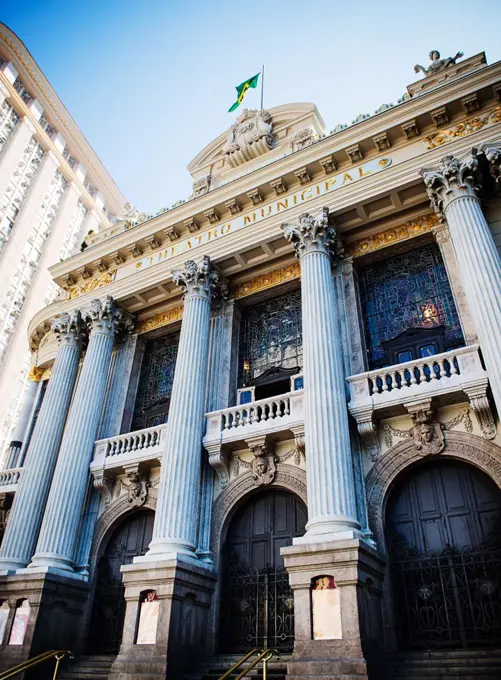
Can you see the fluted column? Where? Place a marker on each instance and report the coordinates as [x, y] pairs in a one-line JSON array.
[[29, 502], [454, 189], [58, 535], [329, 468], [18, 435], [175, 528]]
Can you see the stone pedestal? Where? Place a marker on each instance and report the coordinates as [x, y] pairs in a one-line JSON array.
[[355, 569], [56, 607], [184, 590]]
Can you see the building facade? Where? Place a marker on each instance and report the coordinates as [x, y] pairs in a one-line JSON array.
[[268, 417], [53, 191]]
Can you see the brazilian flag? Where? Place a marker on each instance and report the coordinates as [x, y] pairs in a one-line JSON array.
[[242, 90]]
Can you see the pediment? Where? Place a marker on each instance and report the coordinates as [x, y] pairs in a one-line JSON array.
[[255, 135]]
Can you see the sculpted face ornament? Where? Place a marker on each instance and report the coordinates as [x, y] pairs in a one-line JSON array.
[[137, 489], [437, 64], [427, 434]]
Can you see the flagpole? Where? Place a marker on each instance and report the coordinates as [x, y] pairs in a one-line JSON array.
[[262, 87]]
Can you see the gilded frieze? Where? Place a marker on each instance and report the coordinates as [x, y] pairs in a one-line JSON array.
[[91, 284], [274, 278], [159, 320], [463, 129], [421, 225]]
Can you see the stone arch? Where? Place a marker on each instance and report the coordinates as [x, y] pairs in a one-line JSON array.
[[288, 477], [458, 445], [114, 514]]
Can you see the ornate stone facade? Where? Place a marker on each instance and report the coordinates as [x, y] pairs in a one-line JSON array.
[[273, 383]]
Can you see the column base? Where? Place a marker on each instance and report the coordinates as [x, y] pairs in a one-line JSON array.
[[57, 605], [179, 631], [337, 626], [330, 528], [167, 549], [51, 560]]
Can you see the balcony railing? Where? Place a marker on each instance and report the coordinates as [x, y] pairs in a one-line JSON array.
[[9, 479], [459, 370], [127, 449], [265, 416]]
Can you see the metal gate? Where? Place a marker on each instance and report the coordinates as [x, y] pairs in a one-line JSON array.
[[258, 611], [451, 600], [444, 544]]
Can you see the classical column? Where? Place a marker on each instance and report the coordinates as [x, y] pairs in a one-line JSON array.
[[58, 535], [454, 189], [175, 528], [29, 502], [329, 467], [18, 434], [16, 144]]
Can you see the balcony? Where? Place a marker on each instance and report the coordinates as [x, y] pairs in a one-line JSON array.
[[117, 454], [9, 480], [447, 378], [277, 416]]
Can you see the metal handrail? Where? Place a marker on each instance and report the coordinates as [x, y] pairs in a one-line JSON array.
[[239, 663], [264, 656], [57, 654]]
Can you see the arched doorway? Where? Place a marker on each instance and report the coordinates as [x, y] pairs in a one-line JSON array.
[[257, 602], [444, 543], [129, 539]]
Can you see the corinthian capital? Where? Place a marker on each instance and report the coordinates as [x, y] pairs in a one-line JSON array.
[[313, 234], [69, 328], [201, 279], [452, 178], [103, 316]]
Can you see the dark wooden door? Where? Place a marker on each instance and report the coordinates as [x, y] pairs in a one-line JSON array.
[[257, 603], [130, 539], [443, 534]]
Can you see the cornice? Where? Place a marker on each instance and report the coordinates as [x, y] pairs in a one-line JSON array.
[[402, 174], [338, 142]]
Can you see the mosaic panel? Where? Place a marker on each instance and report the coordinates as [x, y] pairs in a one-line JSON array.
[[407, 291], [270, 335], [155, 381]]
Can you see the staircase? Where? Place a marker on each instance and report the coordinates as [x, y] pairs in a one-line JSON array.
[[212, 667], [88, 667], [479, 664]]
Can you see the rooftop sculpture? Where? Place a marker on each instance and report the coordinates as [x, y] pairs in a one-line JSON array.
[[437, 64]]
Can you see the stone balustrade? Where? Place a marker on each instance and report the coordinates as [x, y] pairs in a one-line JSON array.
[[9, 479], [266, 416], [439, 375], [130, 448]]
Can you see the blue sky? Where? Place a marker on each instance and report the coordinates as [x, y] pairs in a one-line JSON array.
[[150, 82]]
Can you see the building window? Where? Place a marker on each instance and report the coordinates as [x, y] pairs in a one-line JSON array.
[[155, 382], [271, 344], [408, 308]]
